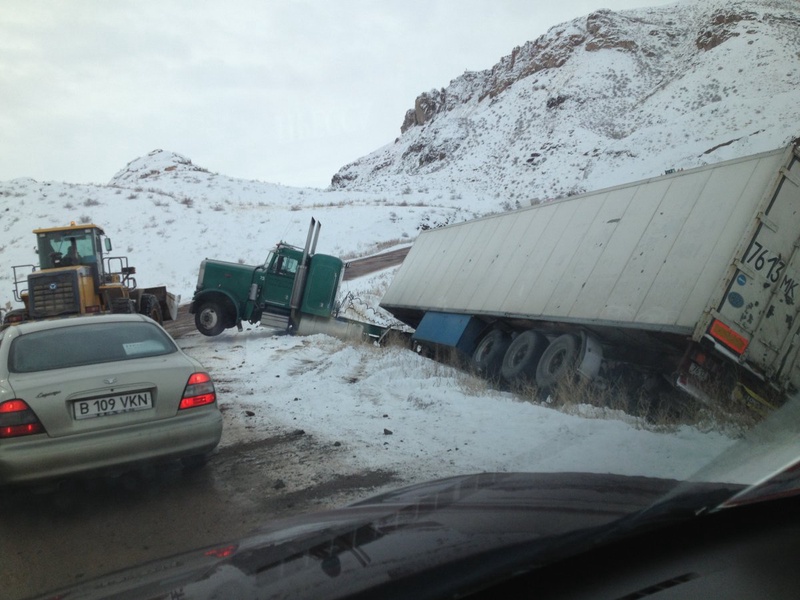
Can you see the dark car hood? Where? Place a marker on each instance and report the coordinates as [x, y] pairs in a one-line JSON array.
[[478, 527]]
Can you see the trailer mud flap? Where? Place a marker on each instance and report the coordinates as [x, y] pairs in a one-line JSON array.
[[591, 357], [449, 330]]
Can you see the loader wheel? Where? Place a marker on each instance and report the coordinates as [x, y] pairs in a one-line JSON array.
[[122, 306], [150, 307], [15, 315], [557, 361], [488, 356], [523, 356], [209, 318]]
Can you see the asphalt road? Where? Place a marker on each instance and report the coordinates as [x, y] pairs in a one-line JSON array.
[[49, 539]]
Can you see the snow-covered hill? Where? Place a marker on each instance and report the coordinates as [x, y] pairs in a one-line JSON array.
[[166, 214], [603, 100], [606, 99]]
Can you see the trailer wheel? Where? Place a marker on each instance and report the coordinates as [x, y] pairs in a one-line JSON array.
[[557, 361], [210, 318], [149, 307], [488, 356], [523, 356]]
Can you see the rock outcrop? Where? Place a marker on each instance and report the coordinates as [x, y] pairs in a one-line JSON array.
[[606, 98]]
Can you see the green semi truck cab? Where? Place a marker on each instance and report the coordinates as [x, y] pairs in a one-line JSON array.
[[292, 282]]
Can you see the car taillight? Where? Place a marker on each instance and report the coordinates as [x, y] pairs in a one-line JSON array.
[[223, 552], [93, 308], [17, 418], [15, 318], [199, 391]]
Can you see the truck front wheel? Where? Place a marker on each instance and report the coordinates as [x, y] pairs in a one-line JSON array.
[[209, 318]]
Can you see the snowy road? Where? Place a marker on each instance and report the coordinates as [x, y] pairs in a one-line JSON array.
[[314, 422]]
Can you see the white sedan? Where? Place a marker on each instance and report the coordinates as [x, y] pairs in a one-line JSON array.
[[99, 394]]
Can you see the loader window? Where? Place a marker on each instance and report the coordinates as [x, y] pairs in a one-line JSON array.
[[66, 248]]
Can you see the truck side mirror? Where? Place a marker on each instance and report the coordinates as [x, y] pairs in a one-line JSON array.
[[108, 245]]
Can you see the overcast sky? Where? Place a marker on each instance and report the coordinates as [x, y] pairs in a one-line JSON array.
[[280, 91]]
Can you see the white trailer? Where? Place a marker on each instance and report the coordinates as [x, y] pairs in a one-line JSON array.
[[694, 272]]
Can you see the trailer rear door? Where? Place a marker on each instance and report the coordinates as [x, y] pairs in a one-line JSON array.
[[757, 319]]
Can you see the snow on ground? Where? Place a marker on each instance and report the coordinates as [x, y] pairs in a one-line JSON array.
[[377, 408], [388, 408]]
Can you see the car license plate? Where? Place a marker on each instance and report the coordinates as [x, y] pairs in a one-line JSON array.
[[112, 405]]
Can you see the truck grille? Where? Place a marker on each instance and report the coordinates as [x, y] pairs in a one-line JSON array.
[[53, 294]]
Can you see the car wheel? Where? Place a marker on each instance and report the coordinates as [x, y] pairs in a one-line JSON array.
[[210, 319]]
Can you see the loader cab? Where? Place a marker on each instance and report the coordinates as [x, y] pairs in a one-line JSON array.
[[74, 245], [70, 246]]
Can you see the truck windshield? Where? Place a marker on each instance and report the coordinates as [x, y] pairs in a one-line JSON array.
[[65, 248]]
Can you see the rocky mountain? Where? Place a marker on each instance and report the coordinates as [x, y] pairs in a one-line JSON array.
[[602, 100]]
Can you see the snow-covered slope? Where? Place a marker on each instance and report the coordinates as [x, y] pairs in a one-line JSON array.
[[166, 214], [603, 100]]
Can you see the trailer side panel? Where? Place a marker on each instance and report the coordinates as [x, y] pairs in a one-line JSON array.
[[648, 255]]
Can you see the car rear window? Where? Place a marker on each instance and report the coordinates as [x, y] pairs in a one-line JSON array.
[[88, 344]]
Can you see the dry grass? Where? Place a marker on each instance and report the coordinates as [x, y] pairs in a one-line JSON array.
[[395, 338], [654, 404], [728, 409], [648, 402], [449, 365], [472, 385]]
